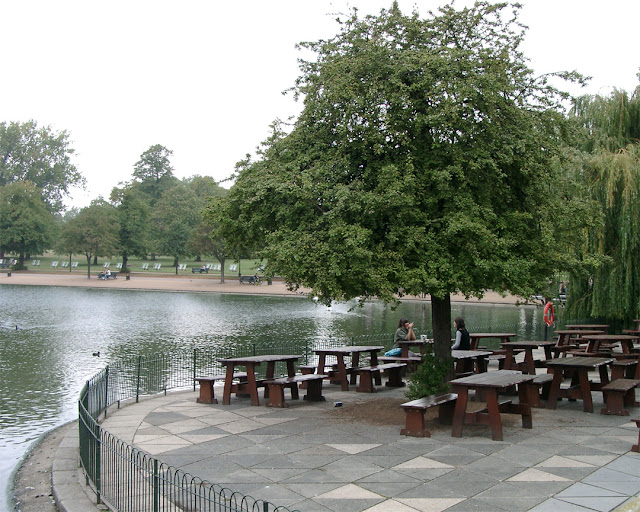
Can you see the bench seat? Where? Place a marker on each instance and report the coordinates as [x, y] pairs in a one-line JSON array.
[[411, 362], [370, 373], [539, 388], [276, 388], [207, 395], [415, 410], [618, 394], [198, 270]]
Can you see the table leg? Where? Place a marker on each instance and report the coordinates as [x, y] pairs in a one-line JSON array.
[[509, 359], [554, 391], [374, 358], [481, 364], [251, 383], [494, 414], [291, 371], [405, 351], [460, 411], [524, 405], [529, 362], [585, 390], [228, 383], [342, 372], [355, 362], [321, 360], [547, 352], [604, 374]]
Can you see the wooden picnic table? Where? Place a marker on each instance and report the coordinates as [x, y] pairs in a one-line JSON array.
[[491, 383], [588, 327], [339, 353], [406, 345], [470, 360], [595, 342], [578, 369], [527, 346], [569, 339], [502, 336], [251, 386]]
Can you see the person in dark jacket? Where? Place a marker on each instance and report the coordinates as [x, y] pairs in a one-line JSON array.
[[463, 340]]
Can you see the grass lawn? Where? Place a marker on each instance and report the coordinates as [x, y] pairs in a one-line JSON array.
[[245, 266]]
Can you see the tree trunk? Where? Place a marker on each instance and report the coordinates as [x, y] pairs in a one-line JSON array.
[[70, 267], [125, 262], [88, 267], [95, 259], [175, 264], [441, 321]]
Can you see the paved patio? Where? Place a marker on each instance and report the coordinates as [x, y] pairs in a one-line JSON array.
[[307, 457]]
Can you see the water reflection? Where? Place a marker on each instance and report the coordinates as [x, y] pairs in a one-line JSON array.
[[44, 363]]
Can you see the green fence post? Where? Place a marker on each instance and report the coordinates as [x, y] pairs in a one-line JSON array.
[[138, 379], [195, 364], [156, 487], [96, 452], [106, 391]]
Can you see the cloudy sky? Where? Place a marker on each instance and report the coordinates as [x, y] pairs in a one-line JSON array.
[[205, 78]]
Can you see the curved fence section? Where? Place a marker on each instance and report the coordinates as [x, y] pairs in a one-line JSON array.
[[130, 480]]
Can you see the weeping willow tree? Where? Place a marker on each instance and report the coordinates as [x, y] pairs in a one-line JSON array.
[[611, 176]]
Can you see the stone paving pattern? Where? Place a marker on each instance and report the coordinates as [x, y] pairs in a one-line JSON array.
[[307, 458]]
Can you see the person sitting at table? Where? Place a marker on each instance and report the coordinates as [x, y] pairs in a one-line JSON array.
[[463, 340], [404, 332]]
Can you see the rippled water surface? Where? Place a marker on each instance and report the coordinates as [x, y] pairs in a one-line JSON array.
[[48, 336]]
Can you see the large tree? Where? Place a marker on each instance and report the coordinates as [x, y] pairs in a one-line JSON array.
[[93, 232], [153, 173], [420, 164], [26, 225], [173, 219], [133, 226], [610, 172], [39, 155]]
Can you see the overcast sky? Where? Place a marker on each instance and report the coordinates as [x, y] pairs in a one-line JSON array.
[[205, 78]]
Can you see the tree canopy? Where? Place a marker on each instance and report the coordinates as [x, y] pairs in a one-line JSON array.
[[420, 163], [41, 156], [610, 173], [26, 226]]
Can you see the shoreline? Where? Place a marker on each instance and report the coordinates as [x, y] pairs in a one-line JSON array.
[[200, 284]]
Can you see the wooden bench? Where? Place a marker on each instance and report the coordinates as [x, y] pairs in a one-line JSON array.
[[199, 270], [411, 362], [414, 411], [624, 369], [369, 373], [539, 388], [636, 447], [247, 279], [618, 394], [103, 275], [276, 388], [330, 372], [207, 395]]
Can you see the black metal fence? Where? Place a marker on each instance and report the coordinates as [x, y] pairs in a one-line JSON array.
[[130, 480]]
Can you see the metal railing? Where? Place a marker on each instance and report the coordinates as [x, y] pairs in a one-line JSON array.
[[130, 480]]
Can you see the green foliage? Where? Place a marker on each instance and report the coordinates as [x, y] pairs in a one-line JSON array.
[[609, 286], [430, 378], [422, 159], [173, 219], [41, 156], [26, 225], [153, 173], [93, 232]]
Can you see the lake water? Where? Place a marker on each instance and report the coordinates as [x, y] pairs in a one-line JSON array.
[[47, 358]]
